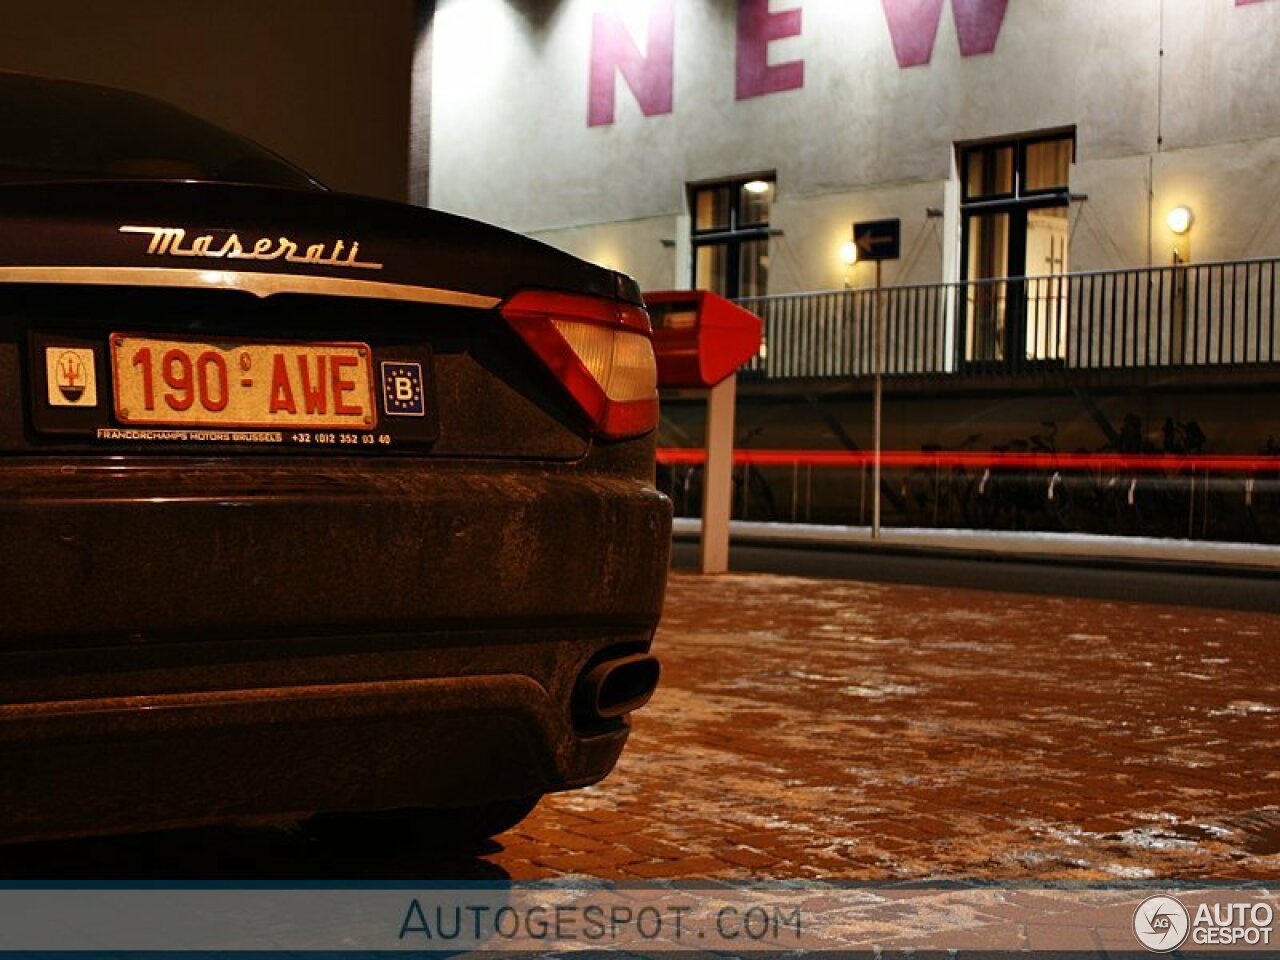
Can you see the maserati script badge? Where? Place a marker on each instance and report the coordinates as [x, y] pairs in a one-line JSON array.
[[172, 242]]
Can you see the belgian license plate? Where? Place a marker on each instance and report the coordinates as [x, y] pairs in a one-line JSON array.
[[238, 384]]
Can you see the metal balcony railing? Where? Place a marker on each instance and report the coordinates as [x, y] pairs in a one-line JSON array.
[[1209, 314]]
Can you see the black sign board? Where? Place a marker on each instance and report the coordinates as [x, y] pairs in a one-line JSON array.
[[878, 239]]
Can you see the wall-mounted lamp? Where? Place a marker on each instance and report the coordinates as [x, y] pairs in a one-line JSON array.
[[1180, 219], [849, 253], [757, 186]]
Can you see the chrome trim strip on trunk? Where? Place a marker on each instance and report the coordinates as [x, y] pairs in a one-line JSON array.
[[258, 284]]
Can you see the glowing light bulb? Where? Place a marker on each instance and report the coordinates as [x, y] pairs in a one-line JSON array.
[[1180, 219]]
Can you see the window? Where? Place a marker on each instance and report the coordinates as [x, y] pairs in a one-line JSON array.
[[731, 236], [1014, 206]]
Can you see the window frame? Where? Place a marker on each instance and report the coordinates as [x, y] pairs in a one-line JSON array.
[[735, 235], [1020, 194], [1016, 206]]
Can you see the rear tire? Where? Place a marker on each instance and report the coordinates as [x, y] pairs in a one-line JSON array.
[[445, 828]]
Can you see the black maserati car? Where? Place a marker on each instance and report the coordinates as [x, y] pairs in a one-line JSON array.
[[310, 504]]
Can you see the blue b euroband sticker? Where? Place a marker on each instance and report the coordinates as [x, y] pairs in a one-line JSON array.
[[402, 393]]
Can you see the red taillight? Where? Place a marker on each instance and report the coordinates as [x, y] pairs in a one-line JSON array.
[[601, 350]]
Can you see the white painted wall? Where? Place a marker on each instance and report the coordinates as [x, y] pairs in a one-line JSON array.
[[864, 138]]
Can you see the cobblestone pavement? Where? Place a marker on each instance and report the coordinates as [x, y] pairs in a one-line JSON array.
[[841, 730]]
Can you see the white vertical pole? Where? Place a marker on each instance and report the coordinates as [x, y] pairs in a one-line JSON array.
[[717, 483]]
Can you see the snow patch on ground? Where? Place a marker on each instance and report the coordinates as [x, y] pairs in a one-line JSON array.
[[1243, 708]]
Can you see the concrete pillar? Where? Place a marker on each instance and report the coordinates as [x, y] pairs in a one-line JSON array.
[[717, 483]]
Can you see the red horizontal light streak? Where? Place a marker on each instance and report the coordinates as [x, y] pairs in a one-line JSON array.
[[980, 460]]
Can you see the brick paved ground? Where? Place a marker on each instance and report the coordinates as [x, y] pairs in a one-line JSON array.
[[865, 731]]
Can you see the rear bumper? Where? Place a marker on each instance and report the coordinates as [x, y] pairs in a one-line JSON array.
[[202, 643], [95, 554], [153, 762]]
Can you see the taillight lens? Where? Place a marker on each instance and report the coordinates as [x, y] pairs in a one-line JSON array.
[[601, 350]]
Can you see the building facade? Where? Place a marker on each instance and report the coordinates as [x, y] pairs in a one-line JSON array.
[[1086, 192], [588, 123]]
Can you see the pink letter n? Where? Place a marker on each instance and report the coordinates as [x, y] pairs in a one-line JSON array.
[[649, 74]]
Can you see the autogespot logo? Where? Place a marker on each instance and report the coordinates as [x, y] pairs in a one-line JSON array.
[[1161, 923]]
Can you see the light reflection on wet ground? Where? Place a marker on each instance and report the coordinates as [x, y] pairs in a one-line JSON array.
[[811, 728], [855, 731]]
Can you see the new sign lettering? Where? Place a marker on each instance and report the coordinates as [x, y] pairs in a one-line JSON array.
[[648, 74], [913, 28]]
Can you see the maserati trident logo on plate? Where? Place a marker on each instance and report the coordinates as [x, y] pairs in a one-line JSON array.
[[71, 377]]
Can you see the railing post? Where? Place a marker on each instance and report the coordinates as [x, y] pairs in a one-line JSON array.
[[1177, 335], [1152, 317], [877, 398]]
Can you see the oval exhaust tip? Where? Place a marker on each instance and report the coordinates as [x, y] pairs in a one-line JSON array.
[[616, 687]]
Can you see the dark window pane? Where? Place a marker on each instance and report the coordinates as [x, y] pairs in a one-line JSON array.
[[989, 172], [985, 304], [1048, 163], [985, 298], [988, 245], [710, 270], [735, 262], [753, 268], [755, 202], [1015, 295], [973, 164], [711, 209]]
